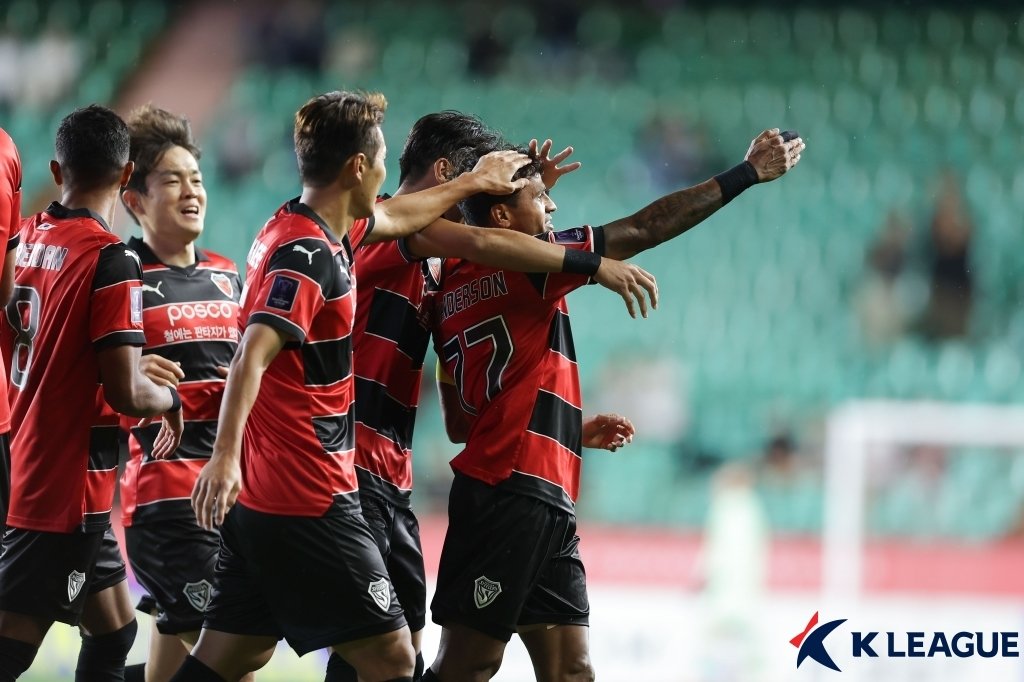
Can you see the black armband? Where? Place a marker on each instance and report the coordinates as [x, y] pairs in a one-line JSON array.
[[175, 400], [735, 180], [581, 262]]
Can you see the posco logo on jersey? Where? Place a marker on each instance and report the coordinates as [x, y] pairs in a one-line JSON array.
[[811, 644], [200, 311]]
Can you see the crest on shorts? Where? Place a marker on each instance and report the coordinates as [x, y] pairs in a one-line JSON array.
[[75, 581], [223, 283], [198, 594], [485, 591], [380, 590]]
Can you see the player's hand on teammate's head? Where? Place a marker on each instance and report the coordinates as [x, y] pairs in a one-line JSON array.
[[607, 432], [216, 490], [160, 370], [772, 155], [494, 171], [630, 282], [169, 437], [550, 171]]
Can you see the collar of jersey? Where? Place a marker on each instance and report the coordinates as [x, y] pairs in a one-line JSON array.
[[147, 257], [297, 207], [59, 210]]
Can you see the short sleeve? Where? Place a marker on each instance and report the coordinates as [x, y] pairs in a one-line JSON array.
[[115, 309], [557, 284], [294, 288], [10, 203]]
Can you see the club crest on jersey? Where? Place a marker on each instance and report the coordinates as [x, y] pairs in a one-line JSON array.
[[223, 283], [282, 293], [198, 594], [485, 591], [434, 268], [135, 294], [380, 590], [75, 581]]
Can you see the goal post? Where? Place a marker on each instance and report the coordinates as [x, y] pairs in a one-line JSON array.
[[852, 430]]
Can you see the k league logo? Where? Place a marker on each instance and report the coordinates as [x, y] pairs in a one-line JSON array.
[[811, 642]]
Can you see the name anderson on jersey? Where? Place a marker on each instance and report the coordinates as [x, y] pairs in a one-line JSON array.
[[47, 257], [482, 289]]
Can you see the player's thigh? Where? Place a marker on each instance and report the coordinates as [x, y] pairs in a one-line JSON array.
[[405, 566], [380, 657], [467, 655], [559, 653], [108, 605], [232, 656]]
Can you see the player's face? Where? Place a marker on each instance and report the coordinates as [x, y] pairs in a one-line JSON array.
[[174, 205], [532, 209], [373, 178]]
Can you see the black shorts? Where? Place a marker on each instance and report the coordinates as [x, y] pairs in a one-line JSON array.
[[508, 561], [397, 533], [174, 561], [5, 477], [316, 582], [48, 575]]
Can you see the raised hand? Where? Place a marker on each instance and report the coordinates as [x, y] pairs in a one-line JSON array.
[[493, 172], [550, 171], [607, 432], [630, 282], [771, 156]]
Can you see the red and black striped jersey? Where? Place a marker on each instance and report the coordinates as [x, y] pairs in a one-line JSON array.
[[10, 223], [191, 317], [78, 290], [505, 338], [390, 342], [298, 445]]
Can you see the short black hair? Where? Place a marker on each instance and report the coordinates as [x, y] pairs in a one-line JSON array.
[[476, 210], [92, 147], [438, 136], [332, 127]]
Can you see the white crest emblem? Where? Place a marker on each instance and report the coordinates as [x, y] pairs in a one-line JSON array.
[[380, 590], [198, 594], [307, 252], [75, 581], [223, 283], [485, 591], [155, 290]]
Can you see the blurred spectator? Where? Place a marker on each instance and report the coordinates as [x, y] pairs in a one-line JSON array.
[[651, 389], [789, 485], [948, 252], [882, 305], [675, 153], [36, 73], [238, 148], [288, 35]]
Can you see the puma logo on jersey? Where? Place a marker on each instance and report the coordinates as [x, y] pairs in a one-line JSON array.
[[132, 254], [155, 290], [302, 249]]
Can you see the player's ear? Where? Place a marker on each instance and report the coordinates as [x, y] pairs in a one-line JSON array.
[[58, 177], [132, 201], [357, 165], [443, 171], [501, 216], [126, 173]]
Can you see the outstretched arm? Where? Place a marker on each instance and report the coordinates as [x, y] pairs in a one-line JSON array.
[[607, 432], [769, 157], [405, 214]]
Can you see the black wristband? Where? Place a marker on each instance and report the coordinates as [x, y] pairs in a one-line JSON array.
[[175, 400], [581, 262], [735, 180]]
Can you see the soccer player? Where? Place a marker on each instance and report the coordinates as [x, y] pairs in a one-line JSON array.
[[297, 521], [72, 335], [190, 314], [511, 560], [390, 342], [10, 223]]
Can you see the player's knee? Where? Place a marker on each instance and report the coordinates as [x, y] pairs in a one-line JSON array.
[[102, 656], [15, 657], [579, 669], [393, 659]]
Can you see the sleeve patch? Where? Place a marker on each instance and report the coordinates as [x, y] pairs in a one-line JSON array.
[[576, 235], [282, 293], [136, 303]]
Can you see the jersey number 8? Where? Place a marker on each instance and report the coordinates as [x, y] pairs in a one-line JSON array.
[[23, 316]]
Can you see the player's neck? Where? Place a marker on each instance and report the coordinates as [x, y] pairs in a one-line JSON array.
[[101, 202], [169, 252], [333, 207]]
